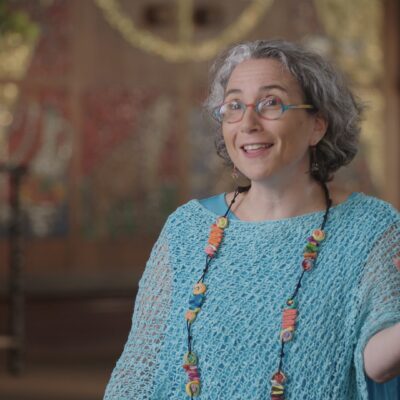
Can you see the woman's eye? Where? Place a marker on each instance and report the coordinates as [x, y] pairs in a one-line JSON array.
[[233, 105], [271, 101]]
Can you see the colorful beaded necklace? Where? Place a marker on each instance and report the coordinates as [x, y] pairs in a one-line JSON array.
[[289, 313]]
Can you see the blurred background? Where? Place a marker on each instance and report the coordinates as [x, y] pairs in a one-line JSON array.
[[102, 135]]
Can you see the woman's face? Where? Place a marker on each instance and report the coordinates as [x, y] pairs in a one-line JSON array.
[[284, 143]]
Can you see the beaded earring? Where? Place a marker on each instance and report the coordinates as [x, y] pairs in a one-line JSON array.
[[314, 161], [235, 173]]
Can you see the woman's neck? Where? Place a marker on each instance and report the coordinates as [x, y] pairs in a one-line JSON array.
[[266, 201]]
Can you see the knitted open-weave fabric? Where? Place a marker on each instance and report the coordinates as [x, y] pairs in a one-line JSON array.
[[353, 292]]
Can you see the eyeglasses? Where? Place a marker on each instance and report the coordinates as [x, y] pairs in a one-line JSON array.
[[269, 108]]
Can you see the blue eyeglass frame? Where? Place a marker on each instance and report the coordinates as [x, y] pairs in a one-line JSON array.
[[284, 107]]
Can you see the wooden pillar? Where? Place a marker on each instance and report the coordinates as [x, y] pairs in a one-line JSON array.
[[391, 43], [186, 29], [14, 341], [78, 11]]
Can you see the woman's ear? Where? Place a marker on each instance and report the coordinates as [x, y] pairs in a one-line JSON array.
[[320, 128]]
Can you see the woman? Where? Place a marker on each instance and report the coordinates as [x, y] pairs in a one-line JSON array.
[[293, 293]]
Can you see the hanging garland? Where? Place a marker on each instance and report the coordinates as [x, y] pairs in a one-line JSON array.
[[183, 50]]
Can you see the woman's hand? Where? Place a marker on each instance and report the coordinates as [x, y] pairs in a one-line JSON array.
[[382, 355], [382, 352], [396, 262]]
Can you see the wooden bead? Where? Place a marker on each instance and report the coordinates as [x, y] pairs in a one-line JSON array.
[[222, 222], [190, 359], [199, 288], [193, 388], [318, 235]]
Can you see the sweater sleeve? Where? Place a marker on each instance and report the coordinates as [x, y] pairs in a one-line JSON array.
[[379, 297], [134, 374]]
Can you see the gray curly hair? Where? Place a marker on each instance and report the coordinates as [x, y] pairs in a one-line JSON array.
[[322, 86]]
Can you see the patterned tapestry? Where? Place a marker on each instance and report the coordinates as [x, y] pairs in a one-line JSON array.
[[114, 146]]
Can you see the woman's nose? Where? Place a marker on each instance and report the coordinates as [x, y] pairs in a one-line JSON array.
[[251, 121]]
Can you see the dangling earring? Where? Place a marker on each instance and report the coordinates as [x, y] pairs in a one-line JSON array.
[[235, 173], [314, 162]]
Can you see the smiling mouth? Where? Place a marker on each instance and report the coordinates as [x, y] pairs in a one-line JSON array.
[[255, 147]]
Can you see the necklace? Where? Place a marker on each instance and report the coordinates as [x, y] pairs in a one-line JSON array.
[[289, 312]]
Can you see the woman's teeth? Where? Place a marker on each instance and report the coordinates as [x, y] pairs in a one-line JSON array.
[[249, 147]]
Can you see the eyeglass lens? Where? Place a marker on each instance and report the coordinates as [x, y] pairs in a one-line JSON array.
[[268, 108]]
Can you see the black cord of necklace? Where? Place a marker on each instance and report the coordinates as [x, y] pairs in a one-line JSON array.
[[328, 202], [188, 326], [239, 189], [205, 270], [281, 355]]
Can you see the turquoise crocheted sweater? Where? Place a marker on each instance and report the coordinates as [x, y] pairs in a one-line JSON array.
[[352, 293]]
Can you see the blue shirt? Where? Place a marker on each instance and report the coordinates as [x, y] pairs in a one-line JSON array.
[[352, 292]]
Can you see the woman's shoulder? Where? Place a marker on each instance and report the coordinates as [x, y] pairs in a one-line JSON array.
[[367, 214], [197, 210], [374, 206]]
